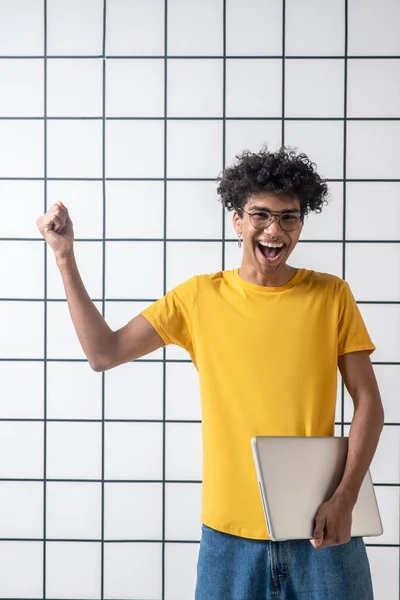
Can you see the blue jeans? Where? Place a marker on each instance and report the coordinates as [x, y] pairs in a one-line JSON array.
[[235, 568]]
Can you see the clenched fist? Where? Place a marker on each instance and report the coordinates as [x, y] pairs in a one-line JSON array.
[[57, 229]]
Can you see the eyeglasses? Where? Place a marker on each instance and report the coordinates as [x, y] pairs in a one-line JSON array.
[[288, 221]]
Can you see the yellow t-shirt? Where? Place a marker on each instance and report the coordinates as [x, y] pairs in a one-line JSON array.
[[267, 362]]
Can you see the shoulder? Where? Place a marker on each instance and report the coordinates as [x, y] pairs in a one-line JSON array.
[[324, 280]]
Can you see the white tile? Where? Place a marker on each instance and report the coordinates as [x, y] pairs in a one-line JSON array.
[[89, 258], [195, 28], [381, 259], [21, 390], [195, 88], [74, 28], [182, 511], [327, 225], [21, 28], [233, 256], [388, 499], [133, 511], [388, 377], [73, 510], [348, 404], [337, 431], [265, 76], [185, 259], [364, 221], [134, 391], [176, 353], [21, 450], [380, 165], [21, 149], [62, 341], [23, 87], [84, 201], [132, 571], [183, 451], [254, 28], [73, 391], [324, 258], [118, 314], [74, 87], [193, 210], [73, 450], [74, 149], [16, 318], [385, 467], [182, 392], [135, 209], [135, 88], [384, 564], [19, 518], [230, 233], [348, 407], [373, 28], [82, 578], [383, 324], [322, 141], [180, 566], [135, 149], [373, 88], [21, 270], [251, 135], [315, 28], [17, 558], [314, 88], [26, 198], [133, 451], [194, 149], [135, 27], [144, 278]]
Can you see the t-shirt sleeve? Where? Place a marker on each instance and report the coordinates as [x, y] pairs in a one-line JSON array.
[[171, 316], [352, 332]]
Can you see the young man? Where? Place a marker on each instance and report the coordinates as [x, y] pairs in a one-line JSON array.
[[267, 340]]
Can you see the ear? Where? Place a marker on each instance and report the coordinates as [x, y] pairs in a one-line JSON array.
[[237, 222]]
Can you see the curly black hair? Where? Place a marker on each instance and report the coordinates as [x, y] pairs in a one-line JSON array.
[[282, 172]]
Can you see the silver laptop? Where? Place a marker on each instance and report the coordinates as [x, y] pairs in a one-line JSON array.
[[297, 474]]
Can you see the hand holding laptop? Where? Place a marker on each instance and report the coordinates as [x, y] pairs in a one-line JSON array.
[[333, 523], [299, 481]]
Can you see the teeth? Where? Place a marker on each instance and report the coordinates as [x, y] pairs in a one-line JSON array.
[[271, 245]]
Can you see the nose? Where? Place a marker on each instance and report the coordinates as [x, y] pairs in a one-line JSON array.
[[273, 228]]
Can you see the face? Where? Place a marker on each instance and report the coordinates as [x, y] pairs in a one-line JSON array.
[[258, 255]]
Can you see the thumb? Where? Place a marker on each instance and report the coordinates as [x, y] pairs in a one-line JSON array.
[[318, 532]]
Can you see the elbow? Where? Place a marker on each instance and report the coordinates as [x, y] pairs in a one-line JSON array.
[[103, 359], [99, 364], [98, 367]]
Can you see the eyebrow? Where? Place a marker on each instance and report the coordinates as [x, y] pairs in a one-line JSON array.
[[265, 209]]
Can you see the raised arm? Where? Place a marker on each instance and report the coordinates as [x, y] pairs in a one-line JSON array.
[[103, 347]]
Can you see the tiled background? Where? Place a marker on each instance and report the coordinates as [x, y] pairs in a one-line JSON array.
[[127, 110]]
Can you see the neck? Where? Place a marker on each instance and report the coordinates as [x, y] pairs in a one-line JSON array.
[[274, 279]]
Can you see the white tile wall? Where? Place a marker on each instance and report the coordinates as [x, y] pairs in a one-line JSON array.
[[112, 480]]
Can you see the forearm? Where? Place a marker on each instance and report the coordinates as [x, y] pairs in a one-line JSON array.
[[95, 336], [364, 435]]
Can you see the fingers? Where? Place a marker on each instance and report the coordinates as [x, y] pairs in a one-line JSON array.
[[57, 224], [55, 219]]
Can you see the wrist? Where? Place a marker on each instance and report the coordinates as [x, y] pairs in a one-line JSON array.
[[65, 258], [345, 496]]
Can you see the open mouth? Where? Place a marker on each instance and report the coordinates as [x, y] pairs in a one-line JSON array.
[[272, 252]]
